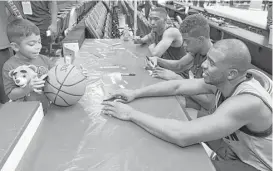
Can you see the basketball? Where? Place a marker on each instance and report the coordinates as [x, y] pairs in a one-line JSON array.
[[65, 85]]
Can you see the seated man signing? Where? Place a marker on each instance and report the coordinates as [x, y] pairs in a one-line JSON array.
[[241, 121], [196, 35], [195, 30], [166, 41]]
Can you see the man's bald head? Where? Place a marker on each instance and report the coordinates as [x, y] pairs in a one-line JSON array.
[[235, 53]]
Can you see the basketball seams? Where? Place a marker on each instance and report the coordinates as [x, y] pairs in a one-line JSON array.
[[62, 90], [74, 83], [63, 80], [59, 97], [51, 92], [65, 86]]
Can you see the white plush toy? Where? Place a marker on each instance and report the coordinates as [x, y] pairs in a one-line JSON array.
[[23, 74]]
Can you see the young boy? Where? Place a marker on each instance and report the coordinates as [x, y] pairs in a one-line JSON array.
[[25, 40]]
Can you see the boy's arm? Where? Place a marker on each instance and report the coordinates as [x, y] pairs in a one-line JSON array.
[[48, 62], [11, 90], [18, 92]]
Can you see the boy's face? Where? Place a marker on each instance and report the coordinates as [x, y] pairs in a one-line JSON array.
[[29, 47]]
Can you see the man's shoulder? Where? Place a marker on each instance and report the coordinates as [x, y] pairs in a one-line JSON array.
[[244, 105], [172, 32]]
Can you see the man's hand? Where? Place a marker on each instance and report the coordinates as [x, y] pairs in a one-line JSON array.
[[137, 40], [118, 110], [151, 63], [122, 95], [53, 29], [165, 74], [152, 37]]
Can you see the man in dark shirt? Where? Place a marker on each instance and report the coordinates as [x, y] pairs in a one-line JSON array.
[[5, 14], [165, 41], [269, 14], [44, 16]]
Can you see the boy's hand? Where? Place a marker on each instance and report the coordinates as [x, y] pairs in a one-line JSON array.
[[36, 84], [84, 71]]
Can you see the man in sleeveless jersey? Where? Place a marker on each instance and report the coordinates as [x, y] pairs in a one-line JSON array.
[[165, 40], [239, 129]]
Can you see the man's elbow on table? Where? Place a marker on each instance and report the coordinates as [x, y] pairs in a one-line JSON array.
[[154, 53], [153, 50], [181, 139]]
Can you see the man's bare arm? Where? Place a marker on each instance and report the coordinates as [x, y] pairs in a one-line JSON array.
[[228, 118], [205, 100], [53, 11], [176, 65], [176, 87], [168, 37], [147, 38]]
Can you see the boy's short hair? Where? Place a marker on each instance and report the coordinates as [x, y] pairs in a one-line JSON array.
[[160, 10], [196, 25], [21, 28]]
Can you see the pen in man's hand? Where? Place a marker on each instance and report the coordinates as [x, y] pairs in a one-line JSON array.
[[150, 60]]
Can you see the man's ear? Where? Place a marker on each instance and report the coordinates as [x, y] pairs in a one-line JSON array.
[[14, 46], [232, 74], [11, 73]]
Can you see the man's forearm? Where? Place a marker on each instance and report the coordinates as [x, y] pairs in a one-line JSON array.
[[166, 88], [176, 65], [166, 129], [54, 11], [145, 39], [168, 64], [188, 87], [205, 100], [152, 49]]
